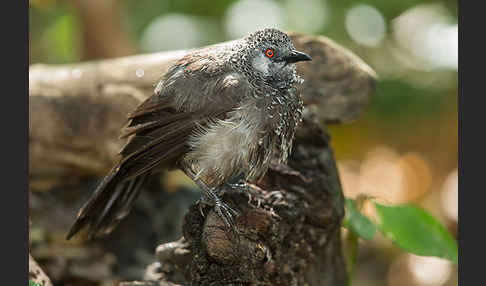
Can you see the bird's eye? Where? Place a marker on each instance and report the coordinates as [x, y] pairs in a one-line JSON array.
[[269, 53]]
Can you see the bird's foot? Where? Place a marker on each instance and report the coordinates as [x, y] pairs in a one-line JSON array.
[[254, 193], [224, 211], [246, 189], [240, 185]]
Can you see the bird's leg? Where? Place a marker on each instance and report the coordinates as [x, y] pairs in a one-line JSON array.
[[222, 209], [211, 198], [238, 182]]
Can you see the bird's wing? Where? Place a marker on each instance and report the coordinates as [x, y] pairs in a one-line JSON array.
[[193, 91]]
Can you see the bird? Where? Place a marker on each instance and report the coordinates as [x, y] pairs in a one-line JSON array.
[[219, 113]]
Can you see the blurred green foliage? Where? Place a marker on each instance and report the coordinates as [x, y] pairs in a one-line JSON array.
[[358, 223], [416, 231], [407, 99], [408, 226], [53, 34]]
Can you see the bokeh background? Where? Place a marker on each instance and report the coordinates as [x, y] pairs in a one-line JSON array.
[[403, 149]]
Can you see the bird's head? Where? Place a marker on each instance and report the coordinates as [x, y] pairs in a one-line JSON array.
[[269, 55]]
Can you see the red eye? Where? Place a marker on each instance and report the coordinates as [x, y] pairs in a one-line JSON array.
[[269, 53]]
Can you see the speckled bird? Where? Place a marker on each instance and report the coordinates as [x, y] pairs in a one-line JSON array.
[[219, 113]]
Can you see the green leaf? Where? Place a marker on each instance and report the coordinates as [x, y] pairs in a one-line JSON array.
[[32, 283], [416, 231], [357, 222]]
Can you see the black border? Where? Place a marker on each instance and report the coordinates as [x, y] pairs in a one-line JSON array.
[[15, 143], [471, 151]]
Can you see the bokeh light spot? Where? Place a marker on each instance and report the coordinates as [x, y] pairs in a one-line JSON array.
[[246, 16], [428, 33], [429, 270], [172, 32], [449, 196], [309, 16], [365, 25]]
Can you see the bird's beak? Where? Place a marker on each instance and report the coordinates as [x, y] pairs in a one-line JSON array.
[[296, 56]]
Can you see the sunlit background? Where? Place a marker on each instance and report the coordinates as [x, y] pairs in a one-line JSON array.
[[404, 149]]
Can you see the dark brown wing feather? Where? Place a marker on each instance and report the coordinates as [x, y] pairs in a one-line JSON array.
[[158, 132], [156, 139]]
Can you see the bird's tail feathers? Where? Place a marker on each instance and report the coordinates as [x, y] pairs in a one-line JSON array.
[[111, 202]]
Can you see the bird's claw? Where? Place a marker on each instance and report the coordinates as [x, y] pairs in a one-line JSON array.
[[239, 185], [224, 211], [200, 204]]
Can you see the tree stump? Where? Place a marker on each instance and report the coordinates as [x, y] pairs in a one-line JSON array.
[[288, 228]]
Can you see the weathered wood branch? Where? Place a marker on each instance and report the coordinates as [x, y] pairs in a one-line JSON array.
[[77, 110]]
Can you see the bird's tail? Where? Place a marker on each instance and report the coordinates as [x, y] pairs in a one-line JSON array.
[[110, 203]]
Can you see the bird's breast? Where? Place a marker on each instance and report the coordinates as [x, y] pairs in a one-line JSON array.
[[284, 113]]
